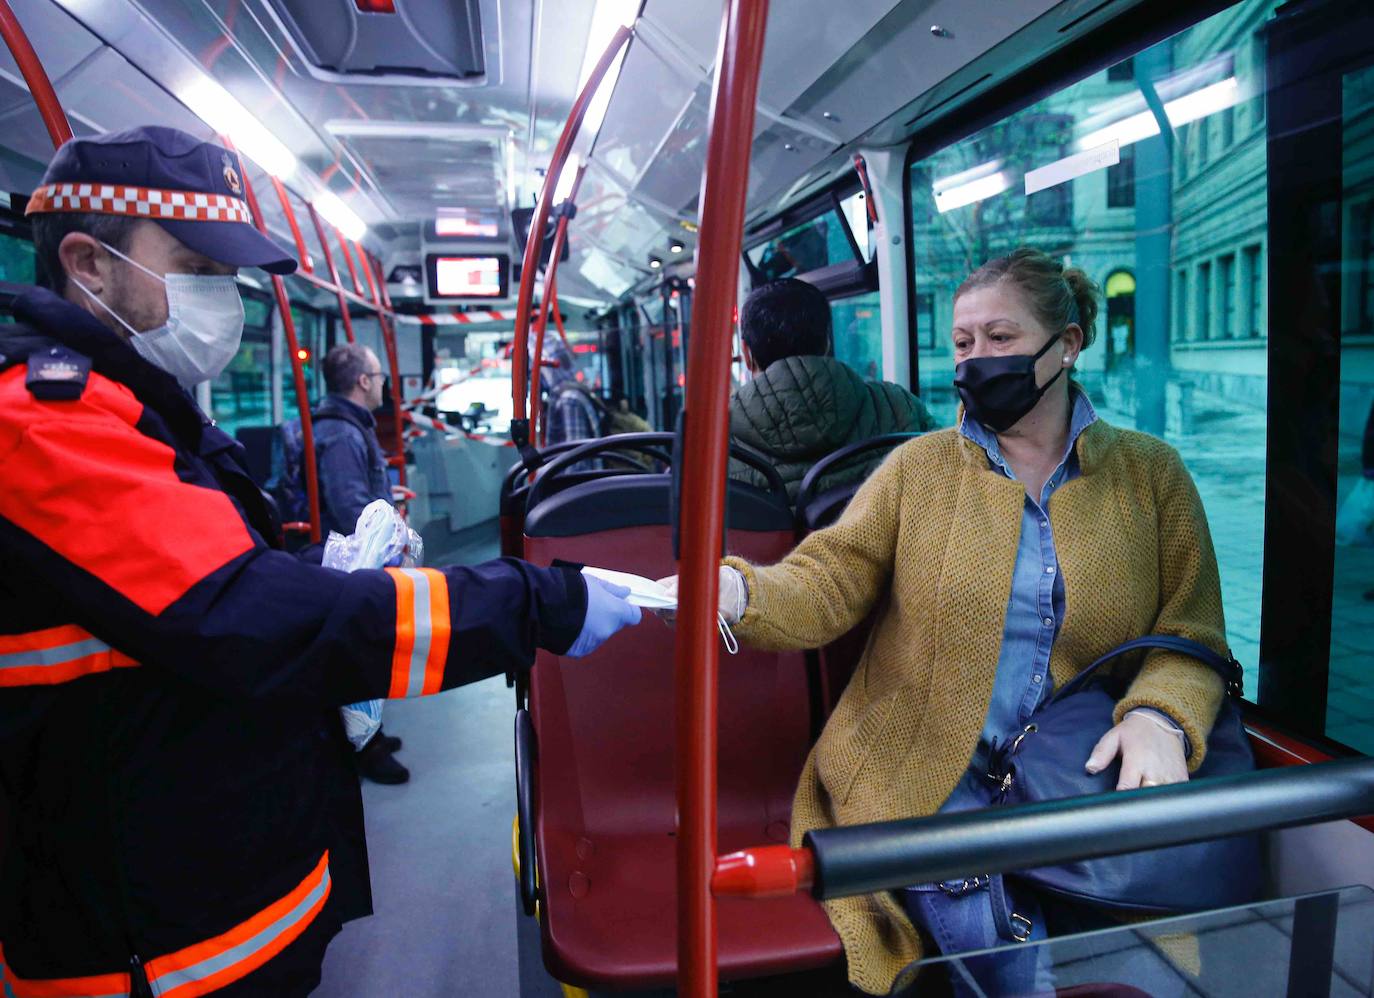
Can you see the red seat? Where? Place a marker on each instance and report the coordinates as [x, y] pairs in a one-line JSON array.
[[605, 803]]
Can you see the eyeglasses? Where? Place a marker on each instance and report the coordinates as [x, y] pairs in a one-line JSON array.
[[372, 374]]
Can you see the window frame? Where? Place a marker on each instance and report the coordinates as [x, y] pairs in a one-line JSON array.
[[838, 280], [1294, 659]]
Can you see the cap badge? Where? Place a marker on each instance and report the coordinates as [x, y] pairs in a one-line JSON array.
[[231, 176]]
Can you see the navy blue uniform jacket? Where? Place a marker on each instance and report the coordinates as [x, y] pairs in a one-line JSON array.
[[183, 810], [349, 463]]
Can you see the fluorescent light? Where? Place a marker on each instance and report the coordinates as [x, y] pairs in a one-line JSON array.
[[217, 108], [609, 16], [563, 191], [970, 186], [339, 215], [1190, 107]]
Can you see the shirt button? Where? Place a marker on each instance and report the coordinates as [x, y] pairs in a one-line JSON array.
[[1048, 621], [1049, 569], [1036, 678], [1044, 523]]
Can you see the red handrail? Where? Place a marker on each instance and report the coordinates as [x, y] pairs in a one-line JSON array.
[[724, 189], [535, 242], [557, 312], [560, 237], [333, 272], [293, 347], [40, 87], [385, 318], [306, 263], [348, 259]]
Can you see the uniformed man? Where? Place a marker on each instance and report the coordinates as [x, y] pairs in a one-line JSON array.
[[186, 819]]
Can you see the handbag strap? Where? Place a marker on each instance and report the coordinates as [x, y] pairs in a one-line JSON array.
[[1224, 666]]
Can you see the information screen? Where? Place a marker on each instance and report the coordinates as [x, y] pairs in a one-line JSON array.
[[467, 276]]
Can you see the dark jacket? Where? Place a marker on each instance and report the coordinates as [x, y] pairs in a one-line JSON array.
[[179, 782], [349, 461], [802, 408]]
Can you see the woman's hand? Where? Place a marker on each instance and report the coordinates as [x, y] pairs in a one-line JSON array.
[[1151, 755], [732, 596]]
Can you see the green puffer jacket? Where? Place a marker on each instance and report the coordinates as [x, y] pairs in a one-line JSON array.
[[803, 408]]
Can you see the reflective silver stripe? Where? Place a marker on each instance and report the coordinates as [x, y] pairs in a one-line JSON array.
[[424, 633], [60, 655], [213, 965]]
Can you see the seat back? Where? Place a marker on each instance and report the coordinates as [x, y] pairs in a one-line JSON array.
[[604, 724]]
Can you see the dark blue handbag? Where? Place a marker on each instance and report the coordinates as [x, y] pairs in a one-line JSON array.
[[1045, 762]]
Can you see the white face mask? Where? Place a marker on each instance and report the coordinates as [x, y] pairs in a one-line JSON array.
[[203, 330]]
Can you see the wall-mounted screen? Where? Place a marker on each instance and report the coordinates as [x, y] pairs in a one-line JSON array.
[[467, 276]]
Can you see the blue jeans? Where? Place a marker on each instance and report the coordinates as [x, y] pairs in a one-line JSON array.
[[962, 917]]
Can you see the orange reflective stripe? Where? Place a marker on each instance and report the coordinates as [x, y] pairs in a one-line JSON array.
[[203, 967], [405, 633], [423, 630], [230, 956], [440, 629], [100, 986], [55, 655]]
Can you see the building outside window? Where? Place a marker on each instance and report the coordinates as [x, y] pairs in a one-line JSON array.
[[1204, 301], [1181, 327], [1228, 128], [1121, 181], [1254, 290], [1228, 296], [925, 321]]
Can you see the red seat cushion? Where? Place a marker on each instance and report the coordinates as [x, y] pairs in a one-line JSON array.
[[605, 799]]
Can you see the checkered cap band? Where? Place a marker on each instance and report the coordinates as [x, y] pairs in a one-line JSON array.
[[139, 202]]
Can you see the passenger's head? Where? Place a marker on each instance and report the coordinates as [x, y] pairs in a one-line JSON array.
[[117, 213], [786, 318], [354, 372], [1020, 304]]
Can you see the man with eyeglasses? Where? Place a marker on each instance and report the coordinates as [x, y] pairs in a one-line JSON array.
[[352, 470]]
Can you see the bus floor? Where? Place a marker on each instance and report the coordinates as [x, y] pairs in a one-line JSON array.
[[442, 885]]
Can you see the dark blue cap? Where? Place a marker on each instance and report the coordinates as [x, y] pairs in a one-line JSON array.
[[168, 159]]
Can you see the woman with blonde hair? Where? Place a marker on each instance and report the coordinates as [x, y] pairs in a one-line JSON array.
[[1005, 554]]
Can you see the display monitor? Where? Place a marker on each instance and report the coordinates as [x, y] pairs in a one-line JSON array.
[[454, 276]]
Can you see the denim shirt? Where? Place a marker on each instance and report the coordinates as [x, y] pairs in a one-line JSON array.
[[1035, 609]]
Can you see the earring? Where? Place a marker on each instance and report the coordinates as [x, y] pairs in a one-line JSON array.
[[1067, 362]]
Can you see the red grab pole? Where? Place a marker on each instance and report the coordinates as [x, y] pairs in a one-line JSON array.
[[333, 272], [535, 243], [386, 317], [560, 237], [723, 192], [293, 347], [49, 107]]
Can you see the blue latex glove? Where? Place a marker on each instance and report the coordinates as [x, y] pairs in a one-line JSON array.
[[607, 612]]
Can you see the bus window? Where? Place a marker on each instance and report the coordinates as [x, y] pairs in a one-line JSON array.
[[857, 328], [242, 394], [1350, 694], [1172, 226], [17, 262], [803, 249]]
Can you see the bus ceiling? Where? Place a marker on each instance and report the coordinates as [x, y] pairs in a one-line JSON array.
[[422, 134]]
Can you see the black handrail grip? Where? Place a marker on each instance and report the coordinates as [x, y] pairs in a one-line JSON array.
[[862, 859], [648, 441], [524, 809], [806, 491]]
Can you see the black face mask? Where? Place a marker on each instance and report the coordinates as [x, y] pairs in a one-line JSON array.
[[998, 391]]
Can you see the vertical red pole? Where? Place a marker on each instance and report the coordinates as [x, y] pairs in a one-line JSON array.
[[385, 316], [333, 274], [723, 192], [560, 237], [40, 87], [535, 243], [293, 347]]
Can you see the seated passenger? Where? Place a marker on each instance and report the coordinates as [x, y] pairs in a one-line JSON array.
[[802, 404], [1016, 548]]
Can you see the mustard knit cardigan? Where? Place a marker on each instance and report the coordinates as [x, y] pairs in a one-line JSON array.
[[933, 534]]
